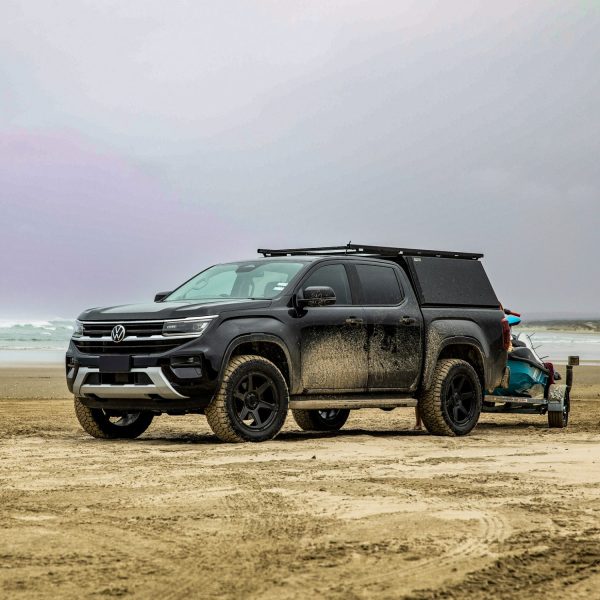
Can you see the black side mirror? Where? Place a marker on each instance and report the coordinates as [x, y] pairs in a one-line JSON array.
[[161, 296], [317, 295]]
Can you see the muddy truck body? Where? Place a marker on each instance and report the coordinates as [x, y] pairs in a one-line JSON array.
[[320, 331]]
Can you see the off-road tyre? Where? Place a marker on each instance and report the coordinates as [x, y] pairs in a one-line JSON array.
[[321, 420], [226, 411], [98, 424], [437, 405]]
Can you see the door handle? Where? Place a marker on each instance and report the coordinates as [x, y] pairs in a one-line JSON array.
[[408, 321], [354, 321]]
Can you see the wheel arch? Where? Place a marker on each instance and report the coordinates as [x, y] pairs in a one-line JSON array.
[[470, 352], [461, 347], [267, 345]]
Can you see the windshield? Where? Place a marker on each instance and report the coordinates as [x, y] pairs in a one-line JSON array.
[[260, 279]]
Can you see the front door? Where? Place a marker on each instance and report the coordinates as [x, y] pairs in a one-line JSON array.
[[333, 342]]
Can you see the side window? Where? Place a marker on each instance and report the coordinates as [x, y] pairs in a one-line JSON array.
[[379, 285], [335, 277]]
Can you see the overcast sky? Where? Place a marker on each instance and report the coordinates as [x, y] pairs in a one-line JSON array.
[[141, 141]]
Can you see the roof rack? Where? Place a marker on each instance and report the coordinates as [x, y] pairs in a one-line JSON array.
[[383, 251]]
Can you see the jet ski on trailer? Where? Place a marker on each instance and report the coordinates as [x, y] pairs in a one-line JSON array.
[[530, 385]]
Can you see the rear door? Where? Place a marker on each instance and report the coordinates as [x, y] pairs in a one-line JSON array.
[[333, 339], [394, 327]]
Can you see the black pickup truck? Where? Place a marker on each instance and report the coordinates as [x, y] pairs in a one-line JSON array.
[[320, 331]]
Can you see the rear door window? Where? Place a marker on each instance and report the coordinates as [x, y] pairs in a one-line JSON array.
[[379, 285]]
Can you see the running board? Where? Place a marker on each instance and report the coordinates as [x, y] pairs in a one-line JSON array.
[[350, 402]]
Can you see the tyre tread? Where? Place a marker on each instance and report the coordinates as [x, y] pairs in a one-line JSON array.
[[308, 420], [556, 420], [303, 419], [89, 423]]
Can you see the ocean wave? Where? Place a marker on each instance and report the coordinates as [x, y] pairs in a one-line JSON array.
[[36, 324], [32, 334]]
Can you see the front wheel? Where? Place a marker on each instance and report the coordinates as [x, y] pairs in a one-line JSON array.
[[452, 405], [330, 419], [106, 424], [252, 401]]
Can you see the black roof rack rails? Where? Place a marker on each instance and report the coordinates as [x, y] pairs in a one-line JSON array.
[[383, 251]]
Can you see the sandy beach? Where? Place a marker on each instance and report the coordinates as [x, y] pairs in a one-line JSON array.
[[376, 511]]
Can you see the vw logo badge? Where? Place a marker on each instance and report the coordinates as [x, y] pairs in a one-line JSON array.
[[118, 333]]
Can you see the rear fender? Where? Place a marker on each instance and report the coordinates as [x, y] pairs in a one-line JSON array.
[[444, 333]]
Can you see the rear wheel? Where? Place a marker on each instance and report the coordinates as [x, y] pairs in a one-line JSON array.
[[252, 402], [330, 419], [452, 405], [105, 424]]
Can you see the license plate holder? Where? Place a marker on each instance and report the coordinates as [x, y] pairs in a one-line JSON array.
[[114, 364]]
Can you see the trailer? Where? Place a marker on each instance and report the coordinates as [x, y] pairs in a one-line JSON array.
[[555, 400]]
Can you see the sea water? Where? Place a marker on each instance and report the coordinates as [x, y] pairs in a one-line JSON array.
[[557, 346], [35, 340], [46, 341]]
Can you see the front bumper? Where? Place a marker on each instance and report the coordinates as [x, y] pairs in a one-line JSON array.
[[152, 382]]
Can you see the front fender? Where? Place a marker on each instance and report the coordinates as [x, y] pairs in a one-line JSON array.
[[221, 343], [260, 337]]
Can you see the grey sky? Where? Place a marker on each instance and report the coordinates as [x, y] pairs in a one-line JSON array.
[[141, 141]]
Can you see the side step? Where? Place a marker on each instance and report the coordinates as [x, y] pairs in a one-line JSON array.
[[320, 402]]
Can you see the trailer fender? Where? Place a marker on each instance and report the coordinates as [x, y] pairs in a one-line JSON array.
[[557, 395]]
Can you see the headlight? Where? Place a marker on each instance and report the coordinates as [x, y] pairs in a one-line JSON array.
[[186, 327], [78, 329]]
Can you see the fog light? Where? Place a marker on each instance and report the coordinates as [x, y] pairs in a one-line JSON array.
[[185, 361]]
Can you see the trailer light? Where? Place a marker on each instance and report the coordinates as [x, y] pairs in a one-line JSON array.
[[506, 341]]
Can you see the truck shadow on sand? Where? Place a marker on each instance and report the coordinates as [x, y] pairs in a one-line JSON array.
[[297, 436], [288, 436], [300, 436]]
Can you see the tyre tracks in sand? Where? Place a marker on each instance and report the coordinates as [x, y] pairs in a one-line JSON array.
[[470, 554]]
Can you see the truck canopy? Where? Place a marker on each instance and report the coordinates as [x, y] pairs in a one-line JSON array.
[[450, 282]]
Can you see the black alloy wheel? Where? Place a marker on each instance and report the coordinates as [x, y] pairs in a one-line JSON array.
[[256, 401], [461, 400]]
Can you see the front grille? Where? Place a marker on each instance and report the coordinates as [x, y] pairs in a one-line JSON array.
[[141, 337], [132, 347], [137, 329]]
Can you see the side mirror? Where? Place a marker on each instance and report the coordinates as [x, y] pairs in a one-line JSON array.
[[161, 296], [317, 295]]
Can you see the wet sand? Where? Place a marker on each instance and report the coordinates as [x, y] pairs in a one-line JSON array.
[[375, 511]]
